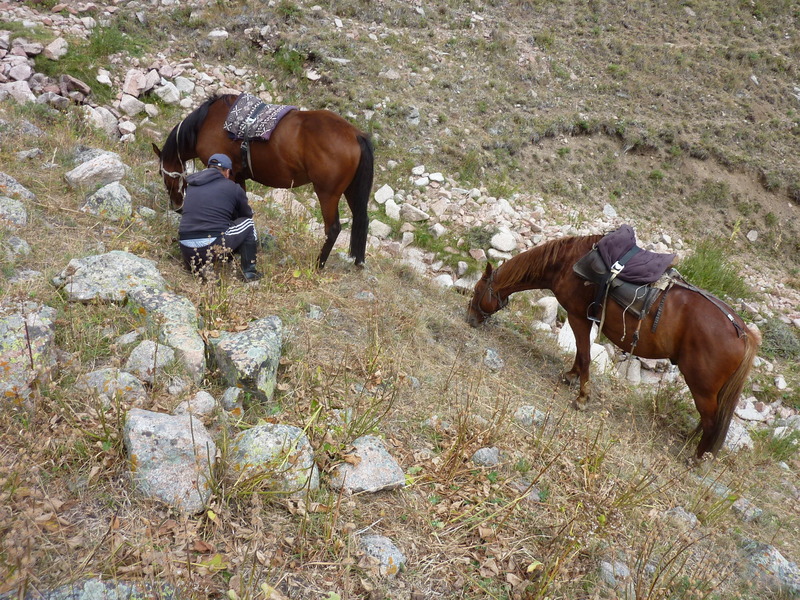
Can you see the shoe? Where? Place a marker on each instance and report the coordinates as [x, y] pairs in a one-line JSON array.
[[247, 253]]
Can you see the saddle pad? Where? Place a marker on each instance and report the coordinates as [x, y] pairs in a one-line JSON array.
[[250, 118], [633, 297], [643, 267]]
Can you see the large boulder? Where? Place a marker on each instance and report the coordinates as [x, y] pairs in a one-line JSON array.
[[249, 359], [276, 458], [171, 458], [111, 276]]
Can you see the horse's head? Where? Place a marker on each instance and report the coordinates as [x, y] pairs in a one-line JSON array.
[[485, 301], [174, 179]]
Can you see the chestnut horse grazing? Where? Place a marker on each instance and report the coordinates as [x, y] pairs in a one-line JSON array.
[[315, 146], [713, 348]]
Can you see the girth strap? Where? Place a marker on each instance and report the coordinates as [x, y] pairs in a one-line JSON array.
[[246, 139], [602, 289]]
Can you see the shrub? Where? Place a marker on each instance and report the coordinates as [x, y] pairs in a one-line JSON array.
[[779, 340], [709, 269]]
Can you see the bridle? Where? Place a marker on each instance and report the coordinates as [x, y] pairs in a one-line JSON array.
[[501, 302], [179, 175]]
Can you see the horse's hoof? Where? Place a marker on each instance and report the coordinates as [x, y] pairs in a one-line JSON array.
[[581, 404]]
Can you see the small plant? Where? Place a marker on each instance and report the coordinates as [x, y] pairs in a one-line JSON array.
[[562, 152], [779, 340], [708, 267]]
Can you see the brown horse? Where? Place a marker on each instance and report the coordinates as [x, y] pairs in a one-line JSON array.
[[315, 146], [711, 345]]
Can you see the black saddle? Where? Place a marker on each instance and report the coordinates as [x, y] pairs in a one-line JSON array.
[[623, 271]]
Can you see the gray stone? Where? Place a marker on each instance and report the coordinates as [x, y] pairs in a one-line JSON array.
[[274, 457], [111, 276], [15, 246], [232, 400], [528, 416], [738, 438], [411, 213], [55, 100], [492, 359], [611, 572], [178, 325], [769, 567], [683, 518], [249, 359], [12, 212], [27, 347], [202, 404], [379, 229], [18, 90], [171, 457], [98, 171], [389, 558], [12, 188], [148, 360], [372, 468], [102, 118], [168, 93], [504, 241], [56, 49], [384, 193], [486, 457], [131, 105], [112, 382], [111, 201], [96, 589]]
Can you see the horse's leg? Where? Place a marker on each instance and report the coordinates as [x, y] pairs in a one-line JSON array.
[[581, 327], [704, 391], [329, 204]]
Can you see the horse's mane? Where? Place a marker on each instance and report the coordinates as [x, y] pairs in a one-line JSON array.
[[188, 128], [532, 264]]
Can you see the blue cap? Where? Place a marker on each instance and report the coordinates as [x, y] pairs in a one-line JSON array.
[[220, 160]]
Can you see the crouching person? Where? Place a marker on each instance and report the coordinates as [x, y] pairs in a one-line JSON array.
[[217, 220]]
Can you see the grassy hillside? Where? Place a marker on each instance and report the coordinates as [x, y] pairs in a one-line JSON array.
[[684, 116]]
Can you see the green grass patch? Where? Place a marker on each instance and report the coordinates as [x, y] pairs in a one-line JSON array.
[[709, 268]]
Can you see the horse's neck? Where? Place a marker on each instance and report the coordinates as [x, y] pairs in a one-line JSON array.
[[513, 276]]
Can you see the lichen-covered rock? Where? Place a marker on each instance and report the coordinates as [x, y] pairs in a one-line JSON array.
[[276, 458], [109, 276], [99, 589], [149, 359], [112, 201], [27, 347], [389, 558], [12, 213], [177, 321], [771, 569], [249, 359], [111, 382], [171, 457]]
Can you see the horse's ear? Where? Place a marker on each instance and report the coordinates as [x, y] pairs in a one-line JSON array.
[[487, 273], [156, 150]]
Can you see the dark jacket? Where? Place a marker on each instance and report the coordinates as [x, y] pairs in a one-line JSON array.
[[211, 205]]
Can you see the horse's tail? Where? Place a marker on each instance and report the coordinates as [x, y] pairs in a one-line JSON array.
[[728, 395], [357, 194]]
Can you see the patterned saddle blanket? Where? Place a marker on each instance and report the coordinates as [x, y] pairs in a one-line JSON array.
[[250, 118]]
